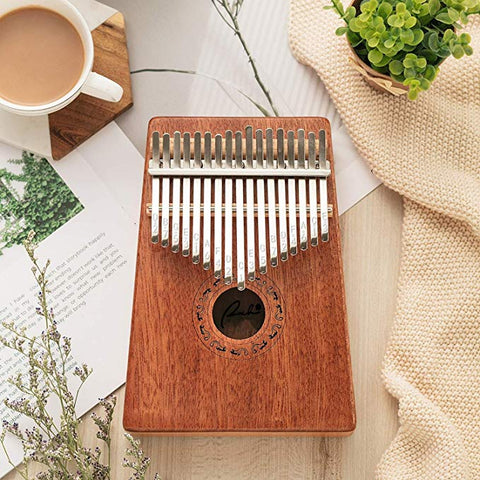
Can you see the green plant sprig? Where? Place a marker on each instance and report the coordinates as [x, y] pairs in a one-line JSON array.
[[54, 442], [408, 39], [229, 11]]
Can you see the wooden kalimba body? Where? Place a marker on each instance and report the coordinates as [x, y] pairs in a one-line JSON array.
[[239, 321]]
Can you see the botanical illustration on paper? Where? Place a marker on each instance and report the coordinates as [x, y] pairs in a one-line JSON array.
[[32, 197]]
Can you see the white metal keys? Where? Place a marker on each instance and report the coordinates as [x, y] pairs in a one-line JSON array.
[[250, 176]]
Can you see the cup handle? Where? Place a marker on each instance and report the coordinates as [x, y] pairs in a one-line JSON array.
[[103, 88]]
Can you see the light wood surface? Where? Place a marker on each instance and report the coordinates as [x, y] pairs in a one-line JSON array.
[[371, 233]]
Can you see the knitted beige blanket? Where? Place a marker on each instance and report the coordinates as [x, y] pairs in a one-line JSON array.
[[429, 151]]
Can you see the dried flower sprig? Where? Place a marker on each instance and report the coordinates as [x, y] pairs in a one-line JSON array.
[[54, 442], [136, 460]]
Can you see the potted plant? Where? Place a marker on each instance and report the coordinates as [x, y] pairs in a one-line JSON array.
[[398, 45]]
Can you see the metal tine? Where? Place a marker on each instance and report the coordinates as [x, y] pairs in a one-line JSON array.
[[217, 226], [240, 213], [177, 138], [323, 188], [262, 238], [282, 206], [207, 200], [272, 216], [250, 207], [312, 191], [292, 202], [165, 191], [155, 186], [302, 191], [228, 210], [197, 187], [185, 163]]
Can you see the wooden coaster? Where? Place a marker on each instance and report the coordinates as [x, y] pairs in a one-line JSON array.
[[84, 117]]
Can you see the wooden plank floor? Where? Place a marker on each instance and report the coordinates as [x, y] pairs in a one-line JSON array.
[[371, 233]]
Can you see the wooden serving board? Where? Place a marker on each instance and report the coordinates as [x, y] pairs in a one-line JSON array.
[[86, 115], [185, 377]]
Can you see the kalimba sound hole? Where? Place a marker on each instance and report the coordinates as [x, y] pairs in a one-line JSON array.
[[238, 314]]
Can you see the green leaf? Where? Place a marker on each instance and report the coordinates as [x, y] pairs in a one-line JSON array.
[[353, 38], [395, 21], [369, 6], [444, 17], [377, 22], [375, 57], [457, 51], [424, 84], [431, 57], [413, 93], [448, 35], [338, 6], [384, 10], [423, 11], [355, 25], [407, 36], [433, 6], [409, 60], [349, 14], [410, 22], [453, 14], [468, 50], [410, 73], [380, 28], [430, 73], [412, 82], [341, 31], [422, 63], [444, 52], [417, 36], [408, 48], [395, 67], [389, 43], [384, 62], [398, 78]]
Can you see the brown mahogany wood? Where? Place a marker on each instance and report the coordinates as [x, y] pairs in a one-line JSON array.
[[86, 115], [178, 383]]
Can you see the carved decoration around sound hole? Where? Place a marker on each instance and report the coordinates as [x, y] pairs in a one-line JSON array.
[[239, 326]]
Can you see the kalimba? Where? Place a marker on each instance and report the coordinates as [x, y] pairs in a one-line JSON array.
[[239, 320]]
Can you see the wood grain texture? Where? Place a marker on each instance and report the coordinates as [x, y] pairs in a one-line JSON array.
[[301, 385], [371, 233], [86, 115]]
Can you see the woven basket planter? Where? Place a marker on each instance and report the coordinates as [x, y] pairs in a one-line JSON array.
[[377, 80]]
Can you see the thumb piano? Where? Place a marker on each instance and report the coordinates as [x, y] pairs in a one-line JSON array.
[[239, 321]]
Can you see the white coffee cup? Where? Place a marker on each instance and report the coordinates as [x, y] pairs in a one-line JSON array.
[[90, 83]]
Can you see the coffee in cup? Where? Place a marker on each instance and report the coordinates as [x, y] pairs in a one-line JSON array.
[[46, 58], [41, 56]]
